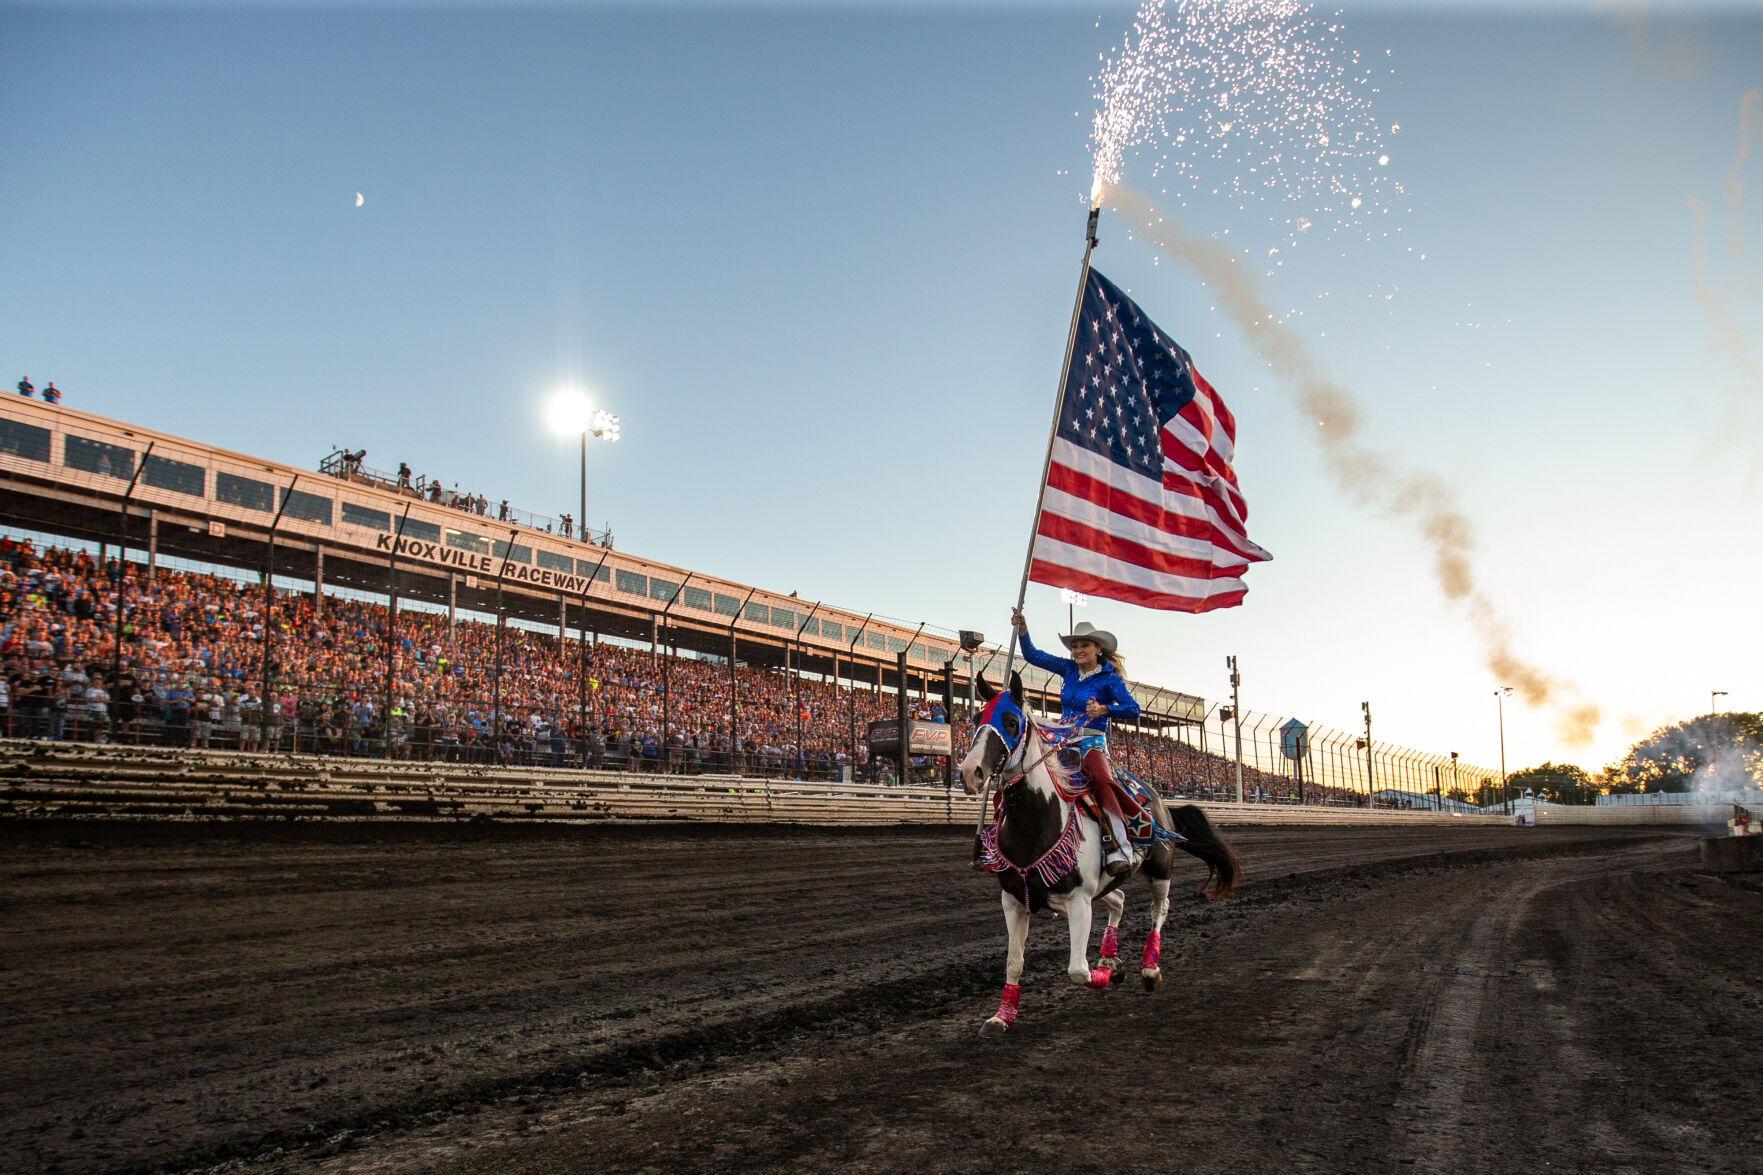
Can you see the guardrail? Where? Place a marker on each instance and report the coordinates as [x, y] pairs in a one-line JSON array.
[[43, 780]]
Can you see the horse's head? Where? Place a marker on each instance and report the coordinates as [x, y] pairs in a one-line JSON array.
[[998, 735]]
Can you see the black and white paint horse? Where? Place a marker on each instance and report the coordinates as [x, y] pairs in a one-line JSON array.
[[1046, 849]]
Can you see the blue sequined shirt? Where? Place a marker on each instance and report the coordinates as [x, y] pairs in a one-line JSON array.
[[1103, 684]]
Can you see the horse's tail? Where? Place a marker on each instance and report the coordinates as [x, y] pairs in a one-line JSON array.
[[1203, 841]]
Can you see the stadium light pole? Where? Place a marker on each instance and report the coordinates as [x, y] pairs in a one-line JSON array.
[[1236, 713], [734, 688], [667, 674], [392, 624], [496, 688], [269, 607], [851, 656], [581, 675], [571, 413], [1714, 730], [796, 688], [1500, 696], [122, 566]]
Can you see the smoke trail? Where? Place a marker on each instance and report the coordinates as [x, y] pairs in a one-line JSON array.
[[1371, 479], [1728, 332], [1735, 180]]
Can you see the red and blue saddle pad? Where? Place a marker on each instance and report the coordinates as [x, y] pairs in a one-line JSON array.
[[1140, 828]]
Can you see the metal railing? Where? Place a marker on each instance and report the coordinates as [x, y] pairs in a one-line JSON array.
[[341, 466]]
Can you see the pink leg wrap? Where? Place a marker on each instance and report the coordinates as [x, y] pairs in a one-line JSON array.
[[1153, 948], [1100, 977], [1007, 1005], [1111, 942]]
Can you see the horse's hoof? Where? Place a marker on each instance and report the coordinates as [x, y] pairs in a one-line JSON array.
[[993, 1029], [1114, 975], [1151, 977]]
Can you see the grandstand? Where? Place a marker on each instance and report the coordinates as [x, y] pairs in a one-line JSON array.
[[590, 656]]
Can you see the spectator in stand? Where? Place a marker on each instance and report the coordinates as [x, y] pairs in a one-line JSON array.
[[502, 511], [565, 525], [25, 389], [483, 504], [403, 475], [51, 394], [435, 492]]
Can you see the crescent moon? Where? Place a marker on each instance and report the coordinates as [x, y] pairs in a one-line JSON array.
[[358, 200]]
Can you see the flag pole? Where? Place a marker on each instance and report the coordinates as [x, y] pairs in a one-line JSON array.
[[1083, 283]]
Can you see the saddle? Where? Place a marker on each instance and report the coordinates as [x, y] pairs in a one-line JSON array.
[[1142, 830]]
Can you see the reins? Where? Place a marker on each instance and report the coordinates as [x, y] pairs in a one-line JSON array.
[[1052, 750]]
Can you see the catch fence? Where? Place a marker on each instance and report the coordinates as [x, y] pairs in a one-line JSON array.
[[201, 649]]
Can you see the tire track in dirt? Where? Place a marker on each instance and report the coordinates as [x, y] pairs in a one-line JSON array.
[[169, 1010]]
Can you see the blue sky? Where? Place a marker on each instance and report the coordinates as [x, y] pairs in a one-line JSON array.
[[820, 259]]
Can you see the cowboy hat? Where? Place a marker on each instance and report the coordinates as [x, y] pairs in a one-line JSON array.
[[1085, 631]]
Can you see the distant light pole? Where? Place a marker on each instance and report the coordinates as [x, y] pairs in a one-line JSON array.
[[1370, 782], [1236, 717], [1500, 696], [571, 413], [1714, 730]]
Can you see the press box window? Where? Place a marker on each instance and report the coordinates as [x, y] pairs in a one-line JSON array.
[[514, 554], [698, 598], [783, 618], [354, 515], [428, 532], [875, 640], [306, 507], [758, 613], [234, 490], [465, 541], [18, 439], [595, 568], [98, 457], [180, 477], [551, 562], [829, 631], [660, 589], [630, 581]]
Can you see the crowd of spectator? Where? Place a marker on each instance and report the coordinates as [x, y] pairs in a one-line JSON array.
[[194, 646]]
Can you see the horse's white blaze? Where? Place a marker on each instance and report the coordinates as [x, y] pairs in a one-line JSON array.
[[972, 768]]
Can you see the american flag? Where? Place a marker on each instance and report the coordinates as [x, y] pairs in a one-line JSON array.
[[1141, 502]]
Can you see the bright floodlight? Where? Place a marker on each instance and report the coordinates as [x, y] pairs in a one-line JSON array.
[[570, 412], [604, 425]]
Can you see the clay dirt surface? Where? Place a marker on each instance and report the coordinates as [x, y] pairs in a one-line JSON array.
[[333, 997]]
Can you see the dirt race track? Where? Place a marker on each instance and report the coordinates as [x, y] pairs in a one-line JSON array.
[[331, 998]]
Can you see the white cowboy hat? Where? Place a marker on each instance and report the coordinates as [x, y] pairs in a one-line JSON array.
[[1085, 631]]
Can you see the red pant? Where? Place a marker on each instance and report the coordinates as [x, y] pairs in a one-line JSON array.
[[1109, 794]]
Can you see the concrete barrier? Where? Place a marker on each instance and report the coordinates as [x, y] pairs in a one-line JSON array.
[[1631, 814], [1733, 854], [72, 780]]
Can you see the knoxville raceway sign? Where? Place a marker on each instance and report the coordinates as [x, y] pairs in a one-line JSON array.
[[473, 563]]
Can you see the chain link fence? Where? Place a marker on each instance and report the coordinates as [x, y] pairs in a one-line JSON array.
[[204, 657]]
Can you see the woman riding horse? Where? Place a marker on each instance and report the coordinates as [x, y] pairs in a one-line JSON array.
[[1094, 692]]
